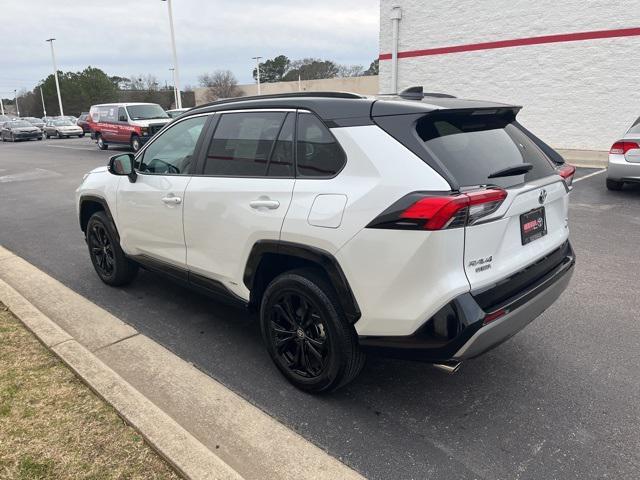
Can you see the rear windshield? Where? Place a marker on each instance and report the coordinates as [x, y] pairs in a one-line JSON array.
[[472, 147], [635, 128]]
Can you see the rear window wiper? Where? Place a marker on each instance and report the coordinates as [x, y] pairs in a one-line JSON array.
[[519, 169]]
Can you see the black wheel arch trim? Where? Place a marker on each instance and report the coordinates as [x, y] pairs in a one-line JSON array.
[[323, 259], [105, 206]]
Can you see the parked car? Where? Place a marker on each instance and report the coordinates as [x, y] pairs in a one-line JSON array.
[[19, 130], [431, 230], [62, 129], [130, 124], [176, 112], [624, 159], [36, 122], [83, 122]]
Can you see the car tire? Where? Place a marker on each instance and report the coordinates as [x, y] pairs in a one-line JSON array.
[[306, 333], [136, 145], [614, 184], [109, 261], [81, 135], [100, 142]]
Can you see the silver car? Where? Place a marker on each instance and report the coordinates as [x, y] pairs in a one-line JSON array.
[[62, 129], [624, 159]]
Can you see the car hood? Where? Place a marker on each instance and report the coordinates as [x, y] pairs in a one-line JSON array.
[[25, 129], [152, 121], [103, 168]]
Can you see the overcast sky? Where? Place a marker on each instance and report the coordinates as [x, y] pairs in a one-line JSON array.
[[131, 37]]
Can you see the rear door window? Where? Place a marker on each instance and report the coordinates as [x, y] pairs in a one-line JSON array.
[[242, 144], [472, 147]]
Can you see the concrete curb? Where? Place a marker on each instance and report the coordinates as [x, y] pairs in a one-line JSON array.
[[585, 158], [187, 455], [200, 426]]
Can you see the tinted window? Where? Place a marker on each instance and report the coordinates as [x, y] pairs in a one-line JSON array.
[[122, 114], [473, 147], [242, 144], [281, 161], [319, 154], [172, 152]]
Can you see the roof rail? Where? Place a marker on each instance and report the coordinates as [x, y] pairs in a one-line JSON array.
[[284, 95], [417, 93]]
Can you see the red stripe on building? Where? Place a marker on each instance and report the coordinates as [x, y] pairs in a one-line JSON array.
[[517, 42]]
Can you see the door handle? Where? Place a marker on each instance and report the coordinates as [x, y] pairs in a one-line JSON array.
[[172, 200], [264, 203]]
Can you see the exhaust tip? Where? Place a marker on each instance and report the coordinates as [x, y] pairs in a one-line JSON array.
[[450, 367]]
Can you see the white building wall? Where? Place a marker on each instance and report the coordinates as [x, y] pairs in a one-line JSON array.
[[576, 95]]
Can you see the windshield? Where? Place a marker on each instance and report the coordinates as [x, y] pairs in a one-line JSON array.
[[63, 123], [21, 123], [33, 120], [146, 112]]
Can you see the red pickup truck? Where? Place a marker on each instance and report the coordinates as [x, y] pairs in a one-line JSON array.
[[125, 123]]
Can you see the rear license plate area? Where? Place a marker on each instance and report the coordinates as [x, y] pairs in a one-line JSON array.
[[533, 225]]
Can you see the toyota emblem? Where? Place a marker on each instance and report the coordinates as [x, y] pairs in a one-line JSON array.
[[542, 197]]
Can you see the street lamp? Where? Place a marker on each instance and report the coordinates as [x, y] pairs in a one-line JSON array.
[[257, 59], [175, 91], [15, 97], [176, 75], [1, 105], [44, 109], [55, 74]]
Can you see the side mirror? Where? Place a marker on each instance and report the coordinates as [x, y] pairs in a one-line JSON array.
[[123, 165]]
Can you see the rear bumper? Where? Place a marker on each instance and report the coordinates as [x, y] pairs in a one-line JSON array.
[[463, 330], [621, 170]]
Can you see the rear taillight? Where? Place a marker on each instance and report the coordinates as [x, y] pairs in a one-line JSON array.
[[623, 147], [419, 211], [567, 172]]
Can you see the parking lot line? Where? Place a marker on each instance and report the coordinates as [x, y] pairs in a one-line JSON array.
[[590, 175], [66, 146]]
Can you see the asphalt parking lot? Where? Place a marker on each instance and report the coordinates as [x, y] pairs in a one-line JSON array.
[[559, 400]]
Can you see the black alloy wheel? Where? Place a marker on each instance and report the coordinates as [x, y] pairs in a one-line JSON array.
[[110, 262], [299, 334], [101, 249], [306, 333]]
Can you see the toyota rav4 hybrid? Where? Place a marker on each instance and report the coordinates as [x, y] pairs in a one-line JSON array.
[[431, 230], [125, 123]]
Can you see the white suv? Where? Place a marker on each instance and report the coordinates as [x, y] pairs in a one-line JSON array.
[[432, 229]]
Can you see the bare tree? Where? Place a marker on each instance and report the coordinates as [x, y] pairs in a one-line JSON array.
[[219, 84], [350, 70], [143, 82]]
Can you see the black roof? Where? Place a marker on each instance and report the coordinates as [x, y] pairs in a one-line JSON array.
[[344, 108]]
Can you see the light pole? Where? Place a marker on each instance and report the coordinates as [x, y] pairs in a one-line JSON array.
[[55, 74], [176, 75], [1, 105], [175, 91], [257, 59], [15, 97], [44, 109]]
